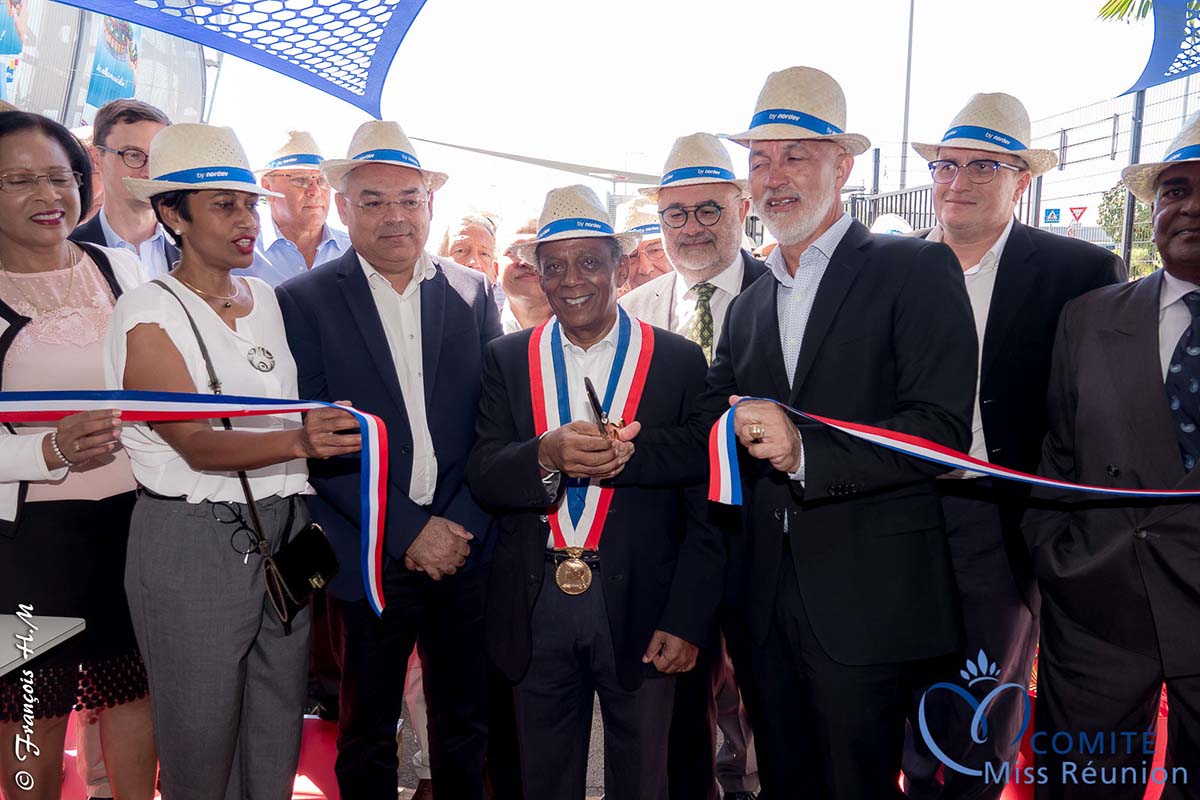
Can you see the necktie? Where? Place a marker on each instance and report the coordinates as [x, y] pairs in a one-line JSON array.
[[702, 324], [1183, 385]]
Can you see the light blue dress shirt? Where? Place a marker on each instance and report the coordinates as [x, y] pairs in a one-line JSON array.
[[152, 253], [276, 259]]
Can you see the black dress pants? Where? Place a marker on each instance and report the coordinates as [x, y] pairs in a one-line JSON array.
[[445, 620]]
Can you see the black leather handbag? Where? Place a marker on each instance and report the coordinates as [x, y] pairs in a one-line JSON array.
[[303, 564]]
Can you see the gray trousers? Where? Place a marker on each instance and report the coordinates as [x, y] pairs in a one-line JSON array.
[[226, 686], [573, 663]]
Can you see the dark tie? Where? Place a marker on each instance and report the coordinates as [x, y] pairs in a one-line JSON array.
[[1183, 385], [702, 324]]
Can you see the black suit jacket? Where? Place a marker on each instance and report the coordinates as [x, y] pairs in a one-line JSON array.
[[93, 233], [752, 269], [889, 342], [341, 351], [1038, 273], [1127, 570], [660, 564]]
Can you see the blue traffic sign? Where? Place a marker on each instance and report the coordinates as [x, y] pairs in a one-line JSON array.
[[1051, 216]]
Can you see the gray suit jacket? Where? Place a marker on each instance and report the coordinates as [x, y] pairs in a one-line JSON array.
[[654, 302], [1128, 570]]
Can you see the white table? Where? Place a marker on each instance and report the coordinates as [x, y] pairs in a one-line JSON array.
[[51, 631]]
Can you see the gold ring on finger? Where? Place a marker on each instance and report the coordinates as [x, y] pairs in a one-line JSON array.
[[757, 432], [75, 446]]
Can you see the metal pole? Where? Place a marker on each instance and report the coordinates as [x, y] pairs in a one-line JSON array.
[[907, 90], [1135, 155], [875, 172]]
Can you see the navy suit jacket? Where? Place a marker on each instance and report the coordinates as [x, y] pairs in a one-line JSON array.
[[92, 232], [341, 352]]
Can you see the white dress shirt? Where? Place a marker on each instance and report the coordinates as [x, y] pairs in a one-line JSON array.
[[152, 252], [1173, 316], [981, 282], [400, 314], [728, 284], [794, 299]]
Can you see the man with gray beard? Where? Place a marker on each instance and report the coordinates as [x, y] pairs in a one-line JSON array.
[[701, 207], [847, 582]]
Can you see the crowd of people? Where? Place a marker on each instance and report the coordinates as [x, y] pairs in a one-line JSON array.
[[548, 388]]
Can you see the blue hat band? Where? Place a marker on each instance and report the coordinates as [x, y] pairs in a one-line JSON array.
[[384, 154], [1184, 153], [299, 158], [653, 227], [691, 173], [202, 175], [787, 116], [575, 224], [984, 135]]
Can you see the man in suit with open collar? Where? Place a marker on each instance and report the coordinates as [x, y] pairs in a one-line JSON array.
[[849, 587], [702, 206], [401, 334], [1118, 577], [651, 564], [1018, 279]]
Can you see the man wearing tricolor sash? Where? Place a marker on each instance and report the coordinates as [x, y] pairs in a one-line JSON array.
[[606, 576]]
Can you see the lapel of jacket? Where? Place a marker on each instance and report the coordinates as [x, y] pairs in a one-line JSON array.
[[1016, 275], [763, 348], [752, 270], [357, 291], [433, 320], [843, 268], [1131, 344]]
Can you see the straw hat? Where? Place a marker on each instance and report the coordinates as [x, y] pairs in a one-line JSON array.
[[801, 103], [7, 106], [197, 157], [574, 212], [639, 215], [997, 123], [380, 142], [696, 159], [1140, 178], [300, 151]]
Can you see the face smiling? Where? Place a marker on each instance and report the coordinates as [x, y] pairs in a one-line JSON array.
[[796, 185], [46, 215], [700, 252], [580, 278], [968, 210], [517, 278]]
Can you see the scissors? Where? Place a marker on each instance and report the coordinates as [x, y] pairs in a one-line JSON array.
[[607, 429]]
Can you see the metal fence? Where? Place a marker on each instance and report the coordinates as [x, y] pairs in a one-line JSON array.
[[1093, 144]]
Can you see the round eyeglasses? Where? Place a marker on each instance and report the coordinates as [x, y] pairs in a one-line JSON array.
[[132, 156], [707, 214], [979, 171]]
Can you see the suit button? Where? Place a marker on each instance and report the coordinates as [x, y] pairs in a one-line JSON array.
[[777, 513], [405, 450], [543, 518], [1112, 470], [1139, 534]]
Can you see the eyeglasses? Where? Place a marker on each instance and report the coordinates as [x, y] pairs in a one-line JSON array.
[[132, 156], [376, 208], [24, 182], [649, 250], [707, 214], [305, 181], [980, 171], [242, 540]]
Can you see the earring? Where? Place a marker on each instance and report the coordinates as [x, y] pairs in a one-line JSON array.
[[178, 232]]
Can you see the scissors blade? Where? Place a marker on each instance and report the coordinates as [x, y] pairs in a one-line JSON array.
[[597, 409]]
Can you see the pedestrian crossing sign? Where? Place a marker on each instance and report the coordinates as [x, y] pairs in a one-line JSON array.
[[1051, 216]]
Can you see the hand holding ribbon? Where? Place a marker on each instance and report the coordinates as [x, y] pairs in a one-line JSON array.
[[765, 431]]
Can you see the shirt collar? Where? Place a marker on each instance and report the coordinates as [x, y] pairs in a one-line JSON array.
[[991, 259], [423, 270], [609, 340], [1173, 290], [269, 235], [728, 280], [114, 239], [825, 244]]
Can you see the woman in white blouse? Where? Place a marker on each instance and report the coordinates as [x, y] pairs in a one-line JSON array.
[[226, 682]]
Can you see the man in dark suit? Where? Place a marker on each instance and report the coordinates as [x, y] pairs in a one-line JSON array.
[[401, 334], [1118, 577], [121, 136], [850, 594], [595, 589], [1018, 279], [702, 207]]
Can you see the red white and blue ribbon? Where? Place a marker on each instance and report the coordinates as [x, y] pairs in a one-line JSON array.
[[725, 483], [176, 406], [579, 521]]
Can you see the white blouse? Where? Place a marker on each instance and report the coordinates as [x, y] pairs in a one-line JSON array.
[[156, 465]]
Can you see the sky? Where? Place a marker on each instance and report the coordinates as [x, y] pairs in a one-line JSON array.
[[614, 83]]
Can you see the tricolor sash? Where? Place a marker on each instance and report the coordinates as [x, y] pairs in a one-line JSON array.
[[725, 483], [176, 406], [579, 521]]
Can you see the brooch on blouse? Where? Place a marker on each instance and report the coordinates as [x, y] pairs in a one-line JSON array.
[[261, 359]]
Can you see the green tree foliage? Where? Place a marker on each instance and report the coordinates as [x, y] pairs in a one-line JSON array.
[[1126, 9], [1143, 256]]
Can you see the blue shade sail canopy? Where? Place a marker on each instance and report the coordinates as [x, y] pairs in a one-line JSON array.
[[1176, 48], [341, 47]]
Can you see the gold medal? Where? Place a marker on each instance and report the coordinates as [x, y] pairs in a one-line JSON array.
[[573, 575]]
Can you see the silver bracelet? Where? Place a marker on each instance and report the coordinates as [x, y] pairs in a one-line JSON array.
[[552, 472], [58, 452]]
